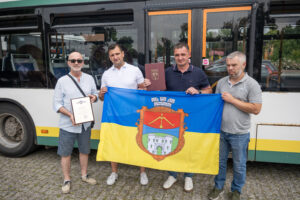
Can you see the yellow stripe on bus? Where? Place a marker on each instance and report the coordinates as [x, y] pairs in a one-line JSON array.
[[274, 145], [251, 145], [278, 145], [260, 144], [54, 132], [292, 146]]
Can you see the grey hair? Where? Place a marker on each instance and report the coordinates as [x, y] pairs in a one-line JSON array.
[[240, 55]]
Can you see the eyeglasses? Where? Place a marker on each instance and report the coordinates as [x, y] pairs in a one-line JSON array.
[[74, 61]]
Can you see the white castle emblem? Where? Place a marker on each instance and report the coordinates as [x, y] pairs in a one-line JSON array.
[[164, 142]]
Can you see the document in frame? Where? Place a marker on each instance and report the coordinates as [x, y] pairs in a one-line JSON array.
[[82, 110]]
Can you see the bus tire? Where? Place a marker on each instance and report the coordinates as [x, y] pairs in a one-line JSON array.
[[17, 132]]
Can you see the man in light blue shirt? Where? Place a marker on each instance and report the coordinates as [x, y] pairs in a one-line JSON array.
[[69, 132]]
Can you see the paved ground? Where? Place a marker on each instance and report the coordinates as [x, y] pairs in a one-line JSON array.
[[38, 176]]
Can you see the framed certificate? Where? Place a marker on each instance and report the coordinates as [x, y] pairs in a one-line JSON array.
[[82, 110]]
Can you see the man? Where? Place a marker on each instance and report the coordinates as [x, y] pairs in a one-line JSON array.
[[69, 132], [122, 75], [184, 77], [242, 96]]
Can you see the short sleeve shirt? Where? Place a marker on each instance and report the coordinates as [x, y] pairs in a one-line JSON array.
[[128, 76], [178, 81], [235, 121]]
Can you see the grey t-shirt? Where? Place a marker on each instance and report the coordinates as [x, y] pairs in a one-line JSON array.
[[235, 121]]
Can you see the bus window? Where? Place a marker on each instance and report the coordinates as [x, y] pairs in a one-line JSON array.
[[225, 30], [167, 29], [281, 53], [92, 43], [22, 61]]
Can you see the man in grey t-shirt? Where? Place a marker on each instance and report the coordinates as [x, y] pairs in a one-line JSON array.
[[242, 96]]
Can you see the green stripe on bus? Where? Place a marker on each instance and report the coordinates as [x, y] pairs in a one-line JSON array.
[[27, 3], [251, 155], [53, 141], [277, 157]]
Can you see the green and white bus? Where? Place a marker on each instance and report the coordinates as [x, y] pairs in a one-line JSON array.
[[37, 36]]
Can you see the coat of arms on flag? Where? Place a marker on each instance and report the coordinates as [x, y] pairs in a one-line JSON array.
[[161, 130]]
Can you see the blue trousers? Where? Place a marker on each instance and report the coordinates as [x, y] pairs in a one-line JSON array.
[[238, 144], [174, 174]]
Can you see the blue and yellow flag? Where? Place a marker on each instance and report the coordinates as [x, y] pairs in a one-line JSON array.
[[161, 130]]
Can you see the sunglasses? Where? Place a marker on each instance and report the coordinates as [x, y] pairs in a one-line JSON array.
[[74, 61]]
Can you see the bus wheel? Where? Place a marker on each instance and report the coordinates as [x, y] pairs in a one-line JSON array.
[[16, 131]]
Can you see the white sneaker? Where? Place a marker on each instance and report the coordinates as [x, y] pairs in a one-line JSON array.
[[66, 187], [88, 180], [143, 178], [188, 184], [169, 182], [112, 178]]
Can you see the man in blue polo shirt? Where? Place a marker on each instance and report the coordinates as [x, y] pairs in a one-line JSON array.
[[185, 77]]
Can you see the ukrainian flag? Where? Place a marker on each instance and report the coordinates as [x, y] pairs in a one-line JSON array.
[[161, 130]]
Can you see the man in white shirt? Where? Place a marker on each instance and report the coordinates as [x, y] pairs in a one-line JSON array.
[[121, 75]]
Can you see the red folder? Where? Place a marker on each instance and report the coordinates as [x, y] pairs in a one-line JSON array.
[[155, 72]]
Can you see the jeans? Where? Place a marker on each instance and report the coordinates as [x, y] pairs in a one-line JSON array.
[[238, 144], [174, 174]]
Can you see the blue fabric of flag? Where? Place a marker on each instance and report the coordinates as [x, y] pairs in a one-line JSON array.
[[204, 110]]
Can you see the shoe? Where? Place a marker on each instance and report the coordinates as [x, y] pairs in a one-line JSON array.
[[66, 187], [215, 193], [143, 178], [235, 195], [188, 184], [112, 178], [88, 180], [169, 182]]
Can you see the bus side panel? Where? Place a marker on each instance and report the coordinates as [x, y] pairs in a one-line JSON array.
[[51, 138], [38, 103], [278, 144], [275, 132]]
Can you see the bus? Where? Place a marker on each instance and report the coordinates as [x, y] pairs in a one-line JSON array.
[[36, 37]]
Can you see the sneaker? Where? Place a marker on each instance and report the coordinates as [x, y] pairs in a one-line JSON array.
[[188, 184], [143, 178], [88, 180], [112, 178], [169, 182], [235, 195], [215, 193], [66, 187]]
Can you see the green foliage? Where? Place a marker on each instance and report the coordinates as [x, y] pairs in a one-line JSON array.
[[290, 47]]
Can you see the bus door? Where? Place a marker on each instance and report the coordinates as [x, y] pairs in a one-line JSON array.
[[224, 30], [167, 28]]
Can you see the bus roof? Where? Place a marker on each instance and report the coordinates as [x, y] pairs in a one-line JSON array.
[[29, 3]]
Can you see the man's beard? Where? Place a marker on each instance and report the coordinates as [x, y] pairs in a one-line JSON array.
[[75, 69], [236, 75]]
